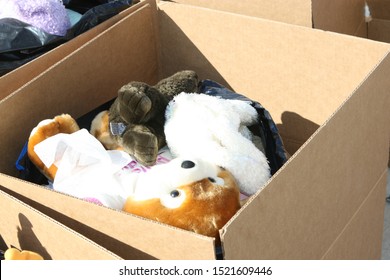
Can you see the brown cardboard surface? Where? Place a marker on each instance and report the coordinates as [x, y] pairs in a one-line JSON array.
[[128, 236], [342, 16], [355, 237], [379, 30], [289, 11], [332, 182], [379, 26], [379, 9], [27, 229], [330, 107], [345, 16], [15, 79]]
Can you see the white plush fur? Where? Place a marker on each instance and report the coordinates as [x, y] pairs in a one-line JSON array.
[[214, 129]]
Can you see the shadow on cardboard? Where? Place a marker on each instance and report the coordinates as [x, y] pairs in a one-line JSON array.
[[295, 130], [26, 236], [28, 240], [187, 55]]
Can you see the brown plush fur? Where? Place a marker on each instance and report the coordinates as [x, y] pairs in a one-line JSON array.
[[60, 124], [141, 108], [206, 209]]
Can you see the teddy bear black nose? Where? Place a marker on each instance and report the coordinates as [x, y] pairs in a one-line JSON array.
[[187, 164]]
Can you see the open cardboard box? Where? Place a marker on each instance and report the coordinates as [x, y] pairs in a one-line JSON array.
[[327, 92], [25, 228], [342, 16]]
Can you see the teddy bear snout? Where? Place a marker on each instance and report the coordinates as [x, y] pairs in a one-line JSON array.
[[187, 164]]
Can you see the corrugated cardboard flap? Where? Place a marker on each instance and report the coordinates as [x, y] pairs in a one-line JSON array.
[[279, 10], [302, 210], [128, 236], [28, 229], [342, 16]]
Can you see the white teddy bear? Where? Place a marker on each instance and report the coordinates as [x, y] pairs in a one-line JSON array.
[[215, 130]]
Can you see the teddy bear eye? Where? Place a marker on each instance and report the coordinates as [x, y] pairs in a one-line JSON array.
[[212, 180], [175, 193]]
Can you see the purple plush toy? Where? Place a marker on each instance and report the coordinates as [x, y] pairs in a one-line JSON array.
[[48, 15]]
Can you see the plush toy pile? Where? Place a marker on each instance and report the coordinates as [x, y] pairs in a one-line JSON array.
[[167, 152]]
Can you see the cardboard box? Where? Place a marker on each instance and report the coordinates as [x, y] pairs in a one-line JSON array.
[[25, 228], [327, 92], [342, 16]]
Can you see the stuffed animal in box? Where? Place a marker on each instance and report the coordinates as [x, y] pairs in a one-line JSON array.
[[188, 193], [197, 196], [216, 130], [45, 129], [135, 121]]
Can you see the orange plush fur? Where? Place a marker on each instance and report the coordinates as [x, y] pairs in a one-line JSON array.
[[207, 206], [60, 124], [100, 129], [15, 254]]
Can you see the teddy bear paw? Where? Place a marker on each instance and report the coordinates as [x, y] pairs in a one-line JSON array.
[[142, 144], [135, 102]]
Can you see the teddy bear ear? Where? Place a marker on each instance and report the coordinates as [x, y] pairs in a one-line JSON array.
[[47, 128], [182, 81]]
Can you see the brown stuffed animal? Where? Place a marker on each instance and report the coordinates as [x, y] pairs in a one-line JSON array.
[[135, 121]]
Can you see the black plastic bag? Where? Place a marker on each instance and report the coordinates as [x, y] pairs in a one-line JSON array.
[[21, 42]]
